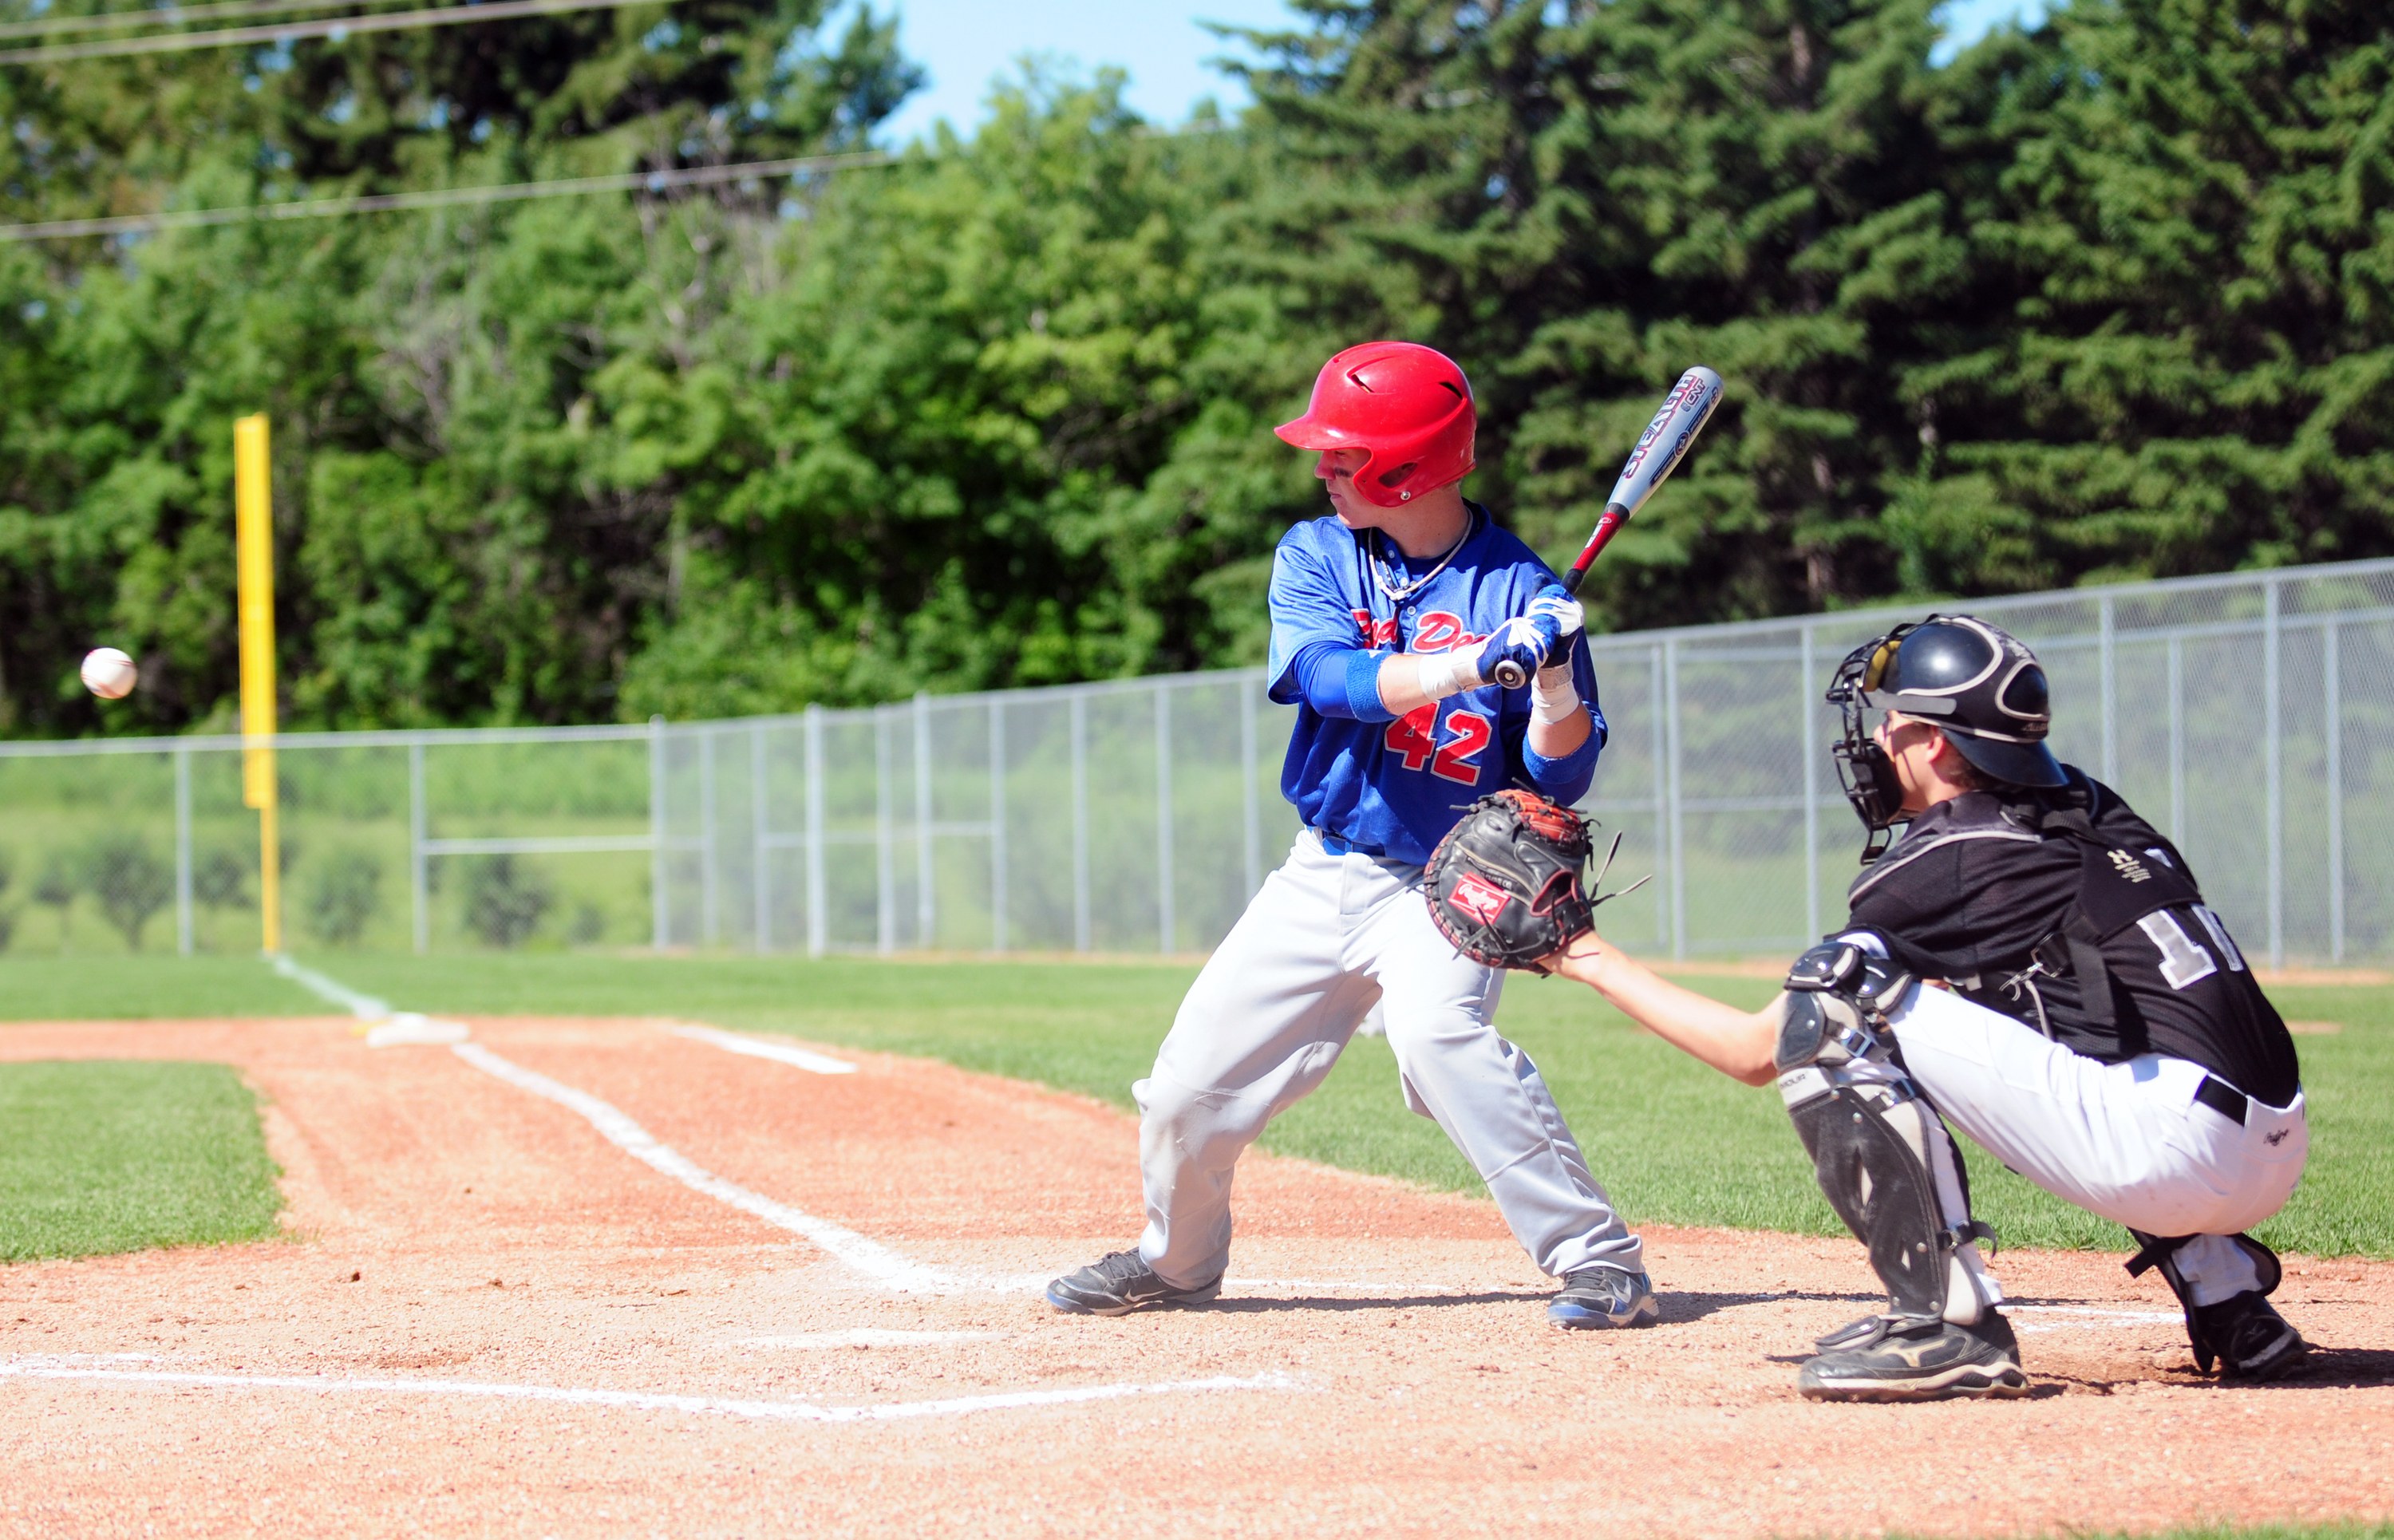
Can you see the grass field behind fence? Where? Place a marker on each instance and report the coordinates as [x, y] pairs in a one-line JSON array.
[[1674, 1141]]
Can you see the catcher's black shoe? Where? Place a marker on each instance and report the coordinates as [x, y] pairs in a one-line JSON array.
[[2252, 1341], [1853, 1334], [1118, 1282], [1910, 1359]]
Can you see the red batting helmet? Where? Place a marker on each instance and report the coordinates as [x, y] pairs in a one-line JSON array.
[[1406, 406]]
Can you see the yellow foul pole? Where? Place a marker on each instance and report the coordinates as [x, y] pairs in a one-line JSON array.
[[254, 549]]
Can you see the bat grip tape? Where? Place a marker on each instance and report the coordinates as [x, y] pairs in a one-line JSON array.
[[1606, 528]]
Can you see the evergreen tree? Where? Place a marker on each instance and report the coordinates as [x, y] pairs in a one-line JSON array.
[[1578, 201], [2192, 366]]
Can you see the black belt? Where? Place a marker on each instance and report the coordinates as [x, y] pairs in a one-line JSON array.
[[1338, 845], [2223, 1099]]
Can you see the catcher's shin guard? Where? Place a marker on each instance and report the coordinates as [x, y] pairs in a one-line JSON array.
[[1882, 1154]]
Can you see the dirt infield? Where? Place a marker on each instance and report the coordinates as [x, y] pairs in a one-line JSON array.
[[493, 1320]]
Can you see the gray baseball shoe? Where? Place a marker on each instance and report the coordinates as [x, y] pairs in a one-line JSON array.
[[1597, 1298], [1118, 1282], [1910, 1359]]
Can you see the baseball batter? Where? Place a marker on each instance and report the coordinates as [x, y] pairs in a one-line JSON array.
[[1389, 618], [2096, 1030]]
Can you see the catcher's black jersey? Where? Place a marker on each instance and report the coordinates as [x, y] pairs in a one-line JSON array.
[[1979, 890]]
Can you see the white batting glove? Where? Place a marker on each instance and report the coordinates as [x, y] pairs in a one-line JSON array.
[[1570, 616], [1553, 696]]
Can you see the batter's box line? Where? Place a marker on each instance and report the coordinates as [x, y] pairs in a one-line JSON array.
[[2086, 1317], [648, 1401], [780, 1053], [880, 1265], [869, 1257]]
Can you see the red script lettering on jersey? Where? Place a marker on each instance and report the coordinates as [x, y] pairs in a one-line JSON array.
[[1439, 632]]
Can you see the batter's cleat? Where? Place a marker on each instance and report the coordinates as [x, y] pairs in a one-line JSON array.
[[2251, 1340], [1118, 1282], [1595, 1298], [1912, 1360]]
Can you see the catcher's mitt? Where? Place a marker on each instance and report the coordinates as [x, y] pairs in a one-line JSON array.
[[1503, 884]]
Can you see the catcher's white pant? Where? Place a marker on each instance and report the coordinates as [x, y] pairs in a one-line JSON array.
[[2125, 1141], [1329, 937]]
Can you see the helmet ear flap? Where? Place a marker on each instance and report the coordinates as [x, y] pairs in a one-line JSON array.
[[2026, 695]]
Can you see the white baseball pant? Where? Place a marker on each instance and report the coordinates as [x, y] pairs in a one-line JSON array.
[[1329, 937], [2125, 1141]]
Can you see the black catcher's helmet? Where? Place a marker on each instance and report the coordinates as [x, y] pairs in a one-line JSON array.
[[1975, 682]]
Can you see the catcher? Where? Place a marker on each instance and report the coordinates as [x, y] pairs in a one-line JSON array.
[[2031, 961], [1389, 619]]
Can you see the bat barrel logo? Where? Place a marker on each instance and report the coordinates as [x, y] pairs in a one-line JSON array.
[[1660, 449], [1689, 383]]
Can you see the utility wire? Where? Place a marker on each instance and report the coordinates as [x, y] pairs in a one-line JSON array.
[[447, 197], [339, 26], [163, 16]]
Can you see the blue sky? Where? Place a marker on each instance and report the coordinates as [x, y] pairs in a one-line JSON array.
[[965, 43]]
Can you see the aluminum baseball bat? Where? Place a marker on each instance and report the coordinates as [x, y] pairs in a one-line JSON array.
[[1660, 449]]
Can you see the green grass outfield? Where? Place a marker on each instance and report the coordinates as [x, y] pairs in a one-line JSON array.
[[2349, 1530], [1674, 1141], [107, 1155]]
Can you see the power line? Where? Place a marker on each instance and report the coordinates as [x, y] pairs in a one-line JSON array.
[[339, 26], [447, 197], [163, 16]]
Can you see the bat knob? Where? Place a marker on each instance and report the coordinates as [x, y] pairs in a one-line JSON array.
[[1511, 675]]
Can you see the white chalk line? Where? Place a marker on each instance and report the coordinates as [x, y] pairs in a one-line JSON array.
[[2092, 1318], [869, 1257], [876, 1261], [388, 1028], [863, 1336], [1342, 1285], [784, 1053], [644, 1400], [365, 1007]]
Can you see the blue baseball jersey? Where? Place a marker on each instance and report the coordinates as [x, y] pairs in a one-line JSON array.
[[1397, 786]]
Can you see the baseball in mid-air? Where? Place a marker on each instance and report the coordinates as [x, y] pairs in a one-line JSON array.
[[109, 673]]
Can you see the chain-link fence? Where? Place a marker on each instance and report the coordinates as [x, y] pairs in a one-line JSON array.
[[2250, 716]]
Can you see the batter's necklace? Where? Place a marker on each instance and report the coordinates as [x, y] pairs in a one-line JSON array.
[[1398, 593]]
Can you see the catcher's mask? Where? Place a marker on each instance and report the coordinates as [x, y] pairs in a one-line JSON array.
[[1974, 682]]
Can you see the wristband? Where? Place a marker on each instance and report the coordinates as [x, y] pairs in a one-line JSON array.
[[1552, 695], [1445, 674]]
